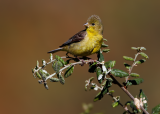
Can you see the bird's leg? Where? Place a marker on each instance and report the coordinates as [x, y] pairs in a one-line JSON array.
[[67, 55], [80, 59]]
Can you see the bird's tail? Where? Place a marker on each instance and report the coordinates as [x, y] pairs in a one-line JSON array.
[[53, 51]]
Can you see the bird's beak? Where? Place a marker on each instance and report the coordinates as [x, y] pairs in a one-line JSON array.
[[86, 24]]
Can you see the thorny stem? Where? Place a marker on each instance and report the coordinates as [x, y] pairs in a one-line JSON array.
[[126, 91]]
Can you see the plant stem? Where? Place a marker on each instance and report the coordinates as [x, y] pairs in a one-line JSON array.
[[126, 91], [125, 108]]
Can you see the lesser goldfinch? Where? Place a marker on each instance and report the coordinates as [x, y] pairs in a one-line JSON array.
[[85, 42]]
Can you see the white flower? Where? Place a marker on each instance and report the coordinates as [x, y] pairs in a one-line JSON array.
[[137, 103]]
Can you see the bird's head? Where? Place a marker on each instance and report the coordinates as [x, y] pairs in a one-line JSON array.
[[94, 24]]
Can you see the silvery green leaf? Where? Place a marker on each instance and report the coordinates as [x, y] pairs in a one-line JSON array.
[[144, 55], [38, 75], [58, 58], [46, 86], [105, 39], [140, 61], [37, 63], [43, 62], [142, 48], [51, 57], [54, 79], [128, 58], [134, 48], [134, 75], [69, 71], [119, 73], [106, 50], [114, 104], [127, 65]]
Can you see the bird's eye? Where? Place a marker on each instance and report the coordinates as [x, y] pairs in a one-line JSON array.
[[93, 24]]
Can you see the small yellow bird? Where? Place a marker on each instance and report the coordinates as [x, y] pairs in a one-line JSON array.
[[85, 42]]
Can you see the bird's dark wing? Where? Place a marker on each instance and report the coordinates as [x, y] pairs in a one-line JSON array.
[[76, 38]]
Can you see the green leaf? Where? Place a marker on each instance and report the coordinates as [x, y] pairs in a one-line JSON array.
[[99, 75], [85, 88], [105, 39], [109, 82], [91, 79], [38, 75], [128, 58], [46, 86], [104, 83], [100, 56], [61, 79], [37, 64], [56, 66], [136, 81], [104, 45], [51, 57], [128, 83], [134, 48], [133, 106], [92, 67], [142, 48], [100, 95], [156, 110], [43, 74], [128, 103], [114, 104], [144, 99], [144, 55], [33, 70], [43, 62], [140, 61], [134, 75], [125, 112], [127, 65], [119, 73], [110, 64], [58, 58], [92, 87], [54, 79], [69, 71], [111, 91], [106, 50]]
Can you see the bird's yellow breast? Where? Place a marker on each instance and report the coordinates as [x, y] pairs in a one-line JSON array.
[[89, 45]]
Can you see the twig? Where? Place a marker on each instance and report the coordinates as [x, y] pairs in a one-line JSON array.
[[126, 91], [125, 108], [76, 63], [63, 69], [130, 69]]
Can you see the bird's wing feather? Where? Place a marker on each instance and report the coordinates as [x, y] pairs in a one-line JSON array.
[[76, 38]]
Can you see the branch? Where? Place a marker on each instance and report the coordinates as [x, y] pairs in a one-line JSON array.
[[126, 91], [125, 108]]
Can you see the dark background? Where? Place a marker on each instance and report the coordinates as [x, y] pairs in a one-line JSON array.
[[30, 28]]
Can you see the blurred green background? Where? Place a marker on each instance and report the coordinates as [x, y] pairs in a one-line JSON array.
[[30, 28]]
